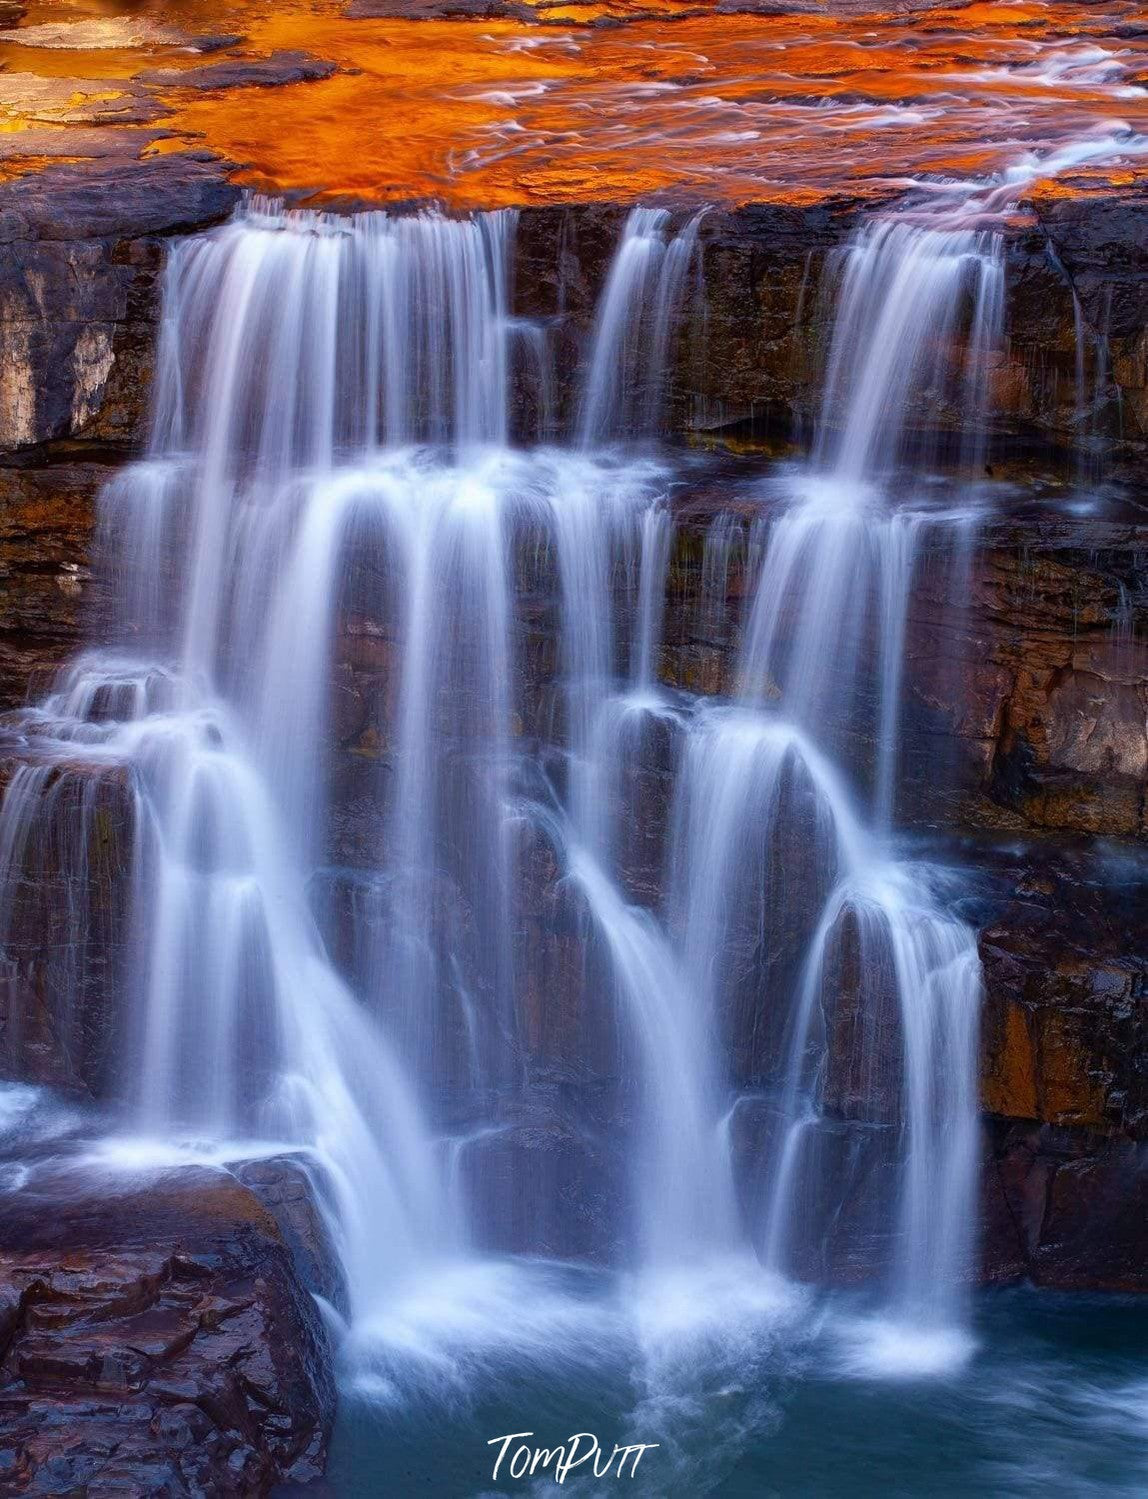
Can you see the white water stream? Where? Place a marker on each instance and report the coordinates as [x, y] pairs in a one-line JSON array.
[[319, 564]]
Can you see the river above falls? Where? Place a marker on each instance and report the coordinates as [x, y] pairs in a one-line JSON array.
[[504, 104]]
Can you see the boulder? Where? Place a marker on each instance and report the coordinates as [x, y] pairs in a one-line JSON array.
[[241, 72], [156, 1341]]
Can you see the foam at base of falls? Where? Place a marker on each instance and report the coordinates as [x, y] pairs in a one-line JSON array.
[[878, 1348], [482, 1328]]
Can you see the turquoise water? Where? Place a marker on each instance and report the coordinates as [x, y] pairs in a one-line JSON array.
[[1052, 1399]]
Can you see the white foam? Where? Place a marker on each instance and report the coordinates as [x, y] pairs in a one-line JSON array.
[[882, 1349]]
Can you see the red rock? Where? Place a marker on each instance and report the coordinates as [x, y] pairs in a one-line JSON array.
[[157, 1343]]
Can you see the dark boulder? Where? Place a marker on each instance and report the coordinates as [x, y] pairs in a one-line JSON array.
[[242, 72], [157, 1342]]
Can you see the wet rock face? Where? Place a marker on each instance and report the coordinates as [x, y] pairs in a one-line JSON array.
[[1029, 682], [66, 913], [1065, 1068], [47, 518], [291, 1195], [1105, 258], [1064, 944], [81, 247], [80, 251], [1064, 1209], [752, 360], [157, 1343], [541, 1184], [841, 1225]]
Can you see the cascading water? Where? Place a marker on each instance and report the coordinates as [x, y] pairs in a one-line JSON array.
[[624, 388], [329, 474], [327, 571], [904, 291], [884, 1013], [882, 1021], [290, 346]]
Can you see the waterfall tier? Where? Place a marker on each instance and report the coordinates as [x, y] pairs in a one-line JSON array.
[[382, 689]]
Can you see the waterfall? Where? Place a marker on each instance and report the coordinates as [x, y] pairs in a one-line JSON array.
[[329, 570], [879, 1022], [684, 1180], [301, 357], [904, 287], [635, 322]]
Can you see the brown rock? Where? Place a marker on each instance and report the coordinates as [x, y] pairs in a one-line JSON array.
[[66, 916], [79, 257], [160, 1343], [47, 517], [241, 72], [1065, 1021], [1093, 1232]]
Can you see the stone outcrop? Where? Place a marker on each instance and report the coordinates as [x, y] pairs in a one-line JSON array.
[[156, 1342], [1065, 1065], [81, 248], [242, 72]]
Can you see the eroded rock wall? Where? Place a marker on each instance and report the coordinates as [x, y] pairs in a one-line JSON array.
[[81, 249], [1038, 737]]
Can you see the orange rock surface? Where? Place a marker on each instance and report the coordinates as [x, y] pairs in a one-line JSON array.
[[686, 101]]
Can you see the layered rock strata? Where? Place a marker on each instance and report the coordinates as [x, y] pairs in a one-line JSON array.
[[156, 1341]]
